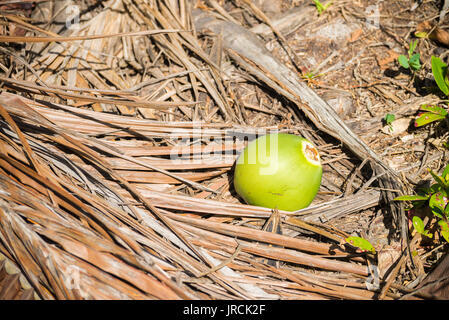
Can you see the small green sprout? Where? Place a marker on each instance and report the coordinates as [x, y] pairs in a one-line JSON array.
[[321, 7], [389, 118], [310, 75], [412, 61]]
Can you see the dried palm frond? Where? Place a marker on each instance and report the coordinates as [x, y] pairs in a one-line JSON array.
[[74, 201], [13, 284], [116, 156]]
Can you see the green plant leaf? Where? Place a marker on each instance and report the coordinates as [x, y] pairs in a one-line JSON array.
[[412, 47], [419, 227], [421, 34], [434, 188], [437, 203], [319, 6], [445, 173], [444, 229], [361, 243], [442, 182], [418, 224], [434, 109], [439, 70], [426, 118], [403, 61], [446, 211], [414, 62], [411, 198], [443, 225], [389, 118], [311, 75], [445, 235]]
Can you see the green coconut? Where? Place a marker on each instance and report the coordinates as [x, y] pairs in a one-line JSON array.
[[280, 171]]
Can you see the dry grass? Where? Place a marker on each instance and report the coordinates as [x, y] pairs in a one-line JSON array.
[[92, 203]]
